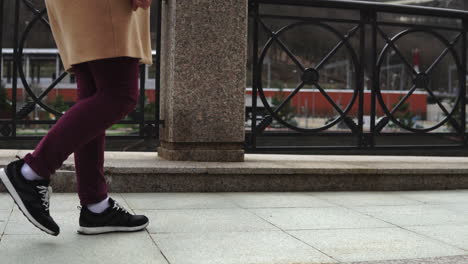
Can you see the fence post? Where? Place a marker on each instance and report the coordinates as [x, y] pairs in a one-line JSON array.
[[203, 74], [1, 40], [463, 82]]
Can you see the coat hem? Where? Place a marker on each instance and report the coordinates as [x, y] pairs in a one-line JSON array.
[[141, 60]]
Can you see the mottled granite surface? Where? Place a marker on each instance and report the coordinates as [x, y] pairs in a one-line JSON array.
[[203, 73]]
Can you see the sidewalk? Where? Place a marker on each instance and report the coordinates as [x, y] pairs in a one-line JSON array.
[[248, 228]]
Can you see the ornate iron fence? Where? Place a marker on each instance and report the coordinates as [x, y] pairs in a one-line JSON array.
[[366, 35], [148, 128]]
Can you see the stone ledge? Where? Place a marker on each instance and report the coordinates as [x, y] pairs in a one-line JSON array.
[[213, 152], [146, 172]]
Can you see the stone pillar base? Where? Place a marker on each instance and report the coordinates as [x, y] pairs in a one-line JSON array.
[[220, 152], [203, 80]]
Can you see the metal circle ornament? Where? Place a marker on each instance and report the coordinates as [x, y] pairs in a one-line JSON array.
[[420, 79], [309, 76]]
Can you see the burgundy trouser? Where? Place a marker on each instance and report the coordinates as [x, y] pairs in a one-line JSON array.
[[107, 92]]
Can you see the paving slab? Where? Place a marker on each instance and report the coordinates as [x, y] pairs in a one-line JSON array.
[[134, 248], [415, 215], [366, 198], [457, 207], [273, 200], [237, 248], [204, 220], [6, 203], [252, 227], [455, 234], [317, 218], [4, 216], [348, 245], [142, 201], [440, 198], [462, 259]]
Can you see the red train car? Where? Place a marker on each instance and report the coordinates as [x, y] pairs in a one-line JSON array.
[[313, 103]]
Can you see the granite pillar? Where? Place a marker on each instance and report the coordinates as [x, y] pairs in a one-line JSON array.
[[203, 75]]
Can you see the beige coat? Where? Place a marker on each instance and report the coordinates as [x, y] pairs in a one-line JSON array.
[[86, 30]]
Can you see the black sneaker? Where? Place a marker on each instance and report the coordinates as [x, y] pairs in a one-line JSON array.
[[31, 197], [114, 219]]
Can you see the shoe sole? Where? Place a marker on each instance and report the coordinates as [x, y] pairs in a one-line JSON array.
[[12, 191], [107, 229]]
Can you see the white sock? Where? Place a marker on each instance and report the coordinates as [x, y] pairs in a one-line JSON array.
[[29, 174], [99, 207]]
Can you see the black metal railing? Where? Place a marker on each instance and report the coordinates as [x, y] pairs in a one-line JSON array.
[[366, 35], [148, 127]]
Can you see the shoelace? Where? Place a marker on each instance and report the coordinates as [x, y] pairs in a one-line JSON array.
[[45, 191], [117, 206]]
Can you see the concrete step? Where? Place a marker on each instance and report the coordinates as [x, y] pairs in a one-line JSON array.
[[146, 172]]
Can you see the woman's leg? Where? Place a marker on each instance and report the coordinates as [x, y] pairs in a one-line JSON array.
[[89, 158], [116, 80]]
